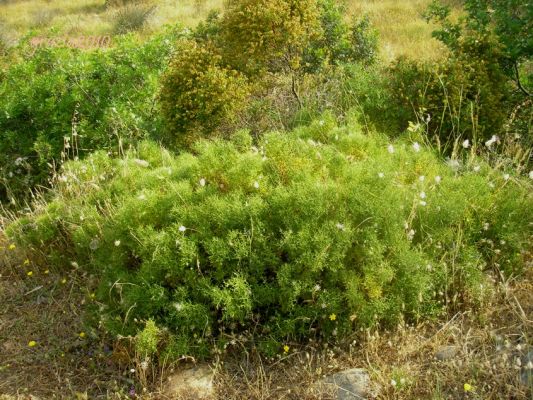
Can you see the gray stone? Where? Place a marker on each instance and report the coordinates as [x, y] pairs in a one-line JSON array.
[[197, 380], [446, 353], [526, 375], [351, 384]]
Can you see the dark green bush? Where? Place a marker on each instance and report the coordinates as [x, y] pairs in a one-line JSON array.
[[309, 234], [62, 103]]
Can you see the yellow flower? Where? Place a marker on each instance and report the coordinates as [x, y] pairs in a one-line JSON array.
[[64, 280], [332, 317], [286, 348], [12, 246], [29, 273], [46, 272], [32, 343], [26, 262], [92, 295], [468, 387], [82, 335]]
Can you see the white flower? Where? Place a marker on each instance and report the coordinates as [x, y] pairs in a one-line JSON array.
[[390, 148], [393, 382], [530, 174], [340, 226], [422, 195], [423, 203], [421, 178], [142, 163], [182, 228], [466, 144], [438, 179], [178, 306], [491, 141], [256, 185], [316, 288], [411, 234], [144, 365], [506, 177], [416, 147], [453, 163], [74, 264], [202, 182], [117, 243], [142, 196], [486, 226], [132, 370], [477, 168], [321, 123], [381, 174], [402, 381]]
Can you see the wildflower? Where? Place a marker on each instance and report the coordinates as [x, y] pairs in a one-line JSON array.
[[202, 182], [530, 174], [81, 335], [438, 179], [381, 174], [117, 243], [317, 287], [64, 280], [411, 234], [286, 349], [47, 271], [32, 343], [92, 296], [468, 387], [416, 147], [422, 195], [182, 228], [506, 177], [132, 370], [256, 185], [30, 273], [321, 123], [390, 148], [12, 246], [142, 196], [421, 178], [466, 144], [144, 365], [402, 381], [477, 168], [26, 262], [393, 382], [491, 141], [74, 264], [423, 203], [340, 226], [453, 163], [332, 317]]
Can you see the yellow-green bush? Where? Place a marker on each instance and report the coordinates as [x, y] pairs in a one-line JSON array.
[[313, 233], [199, 92], [258, 35]]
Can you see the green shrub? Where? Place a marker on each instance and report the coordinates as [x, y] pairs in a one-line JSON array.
[[267, 35], [199, 93], [309, 234], [63, 103], [466, 96]]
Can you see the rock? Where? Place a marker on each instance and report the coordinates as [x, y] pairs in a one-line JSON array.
[[197, 380], [351, 384], [446, 353], [526, 375]]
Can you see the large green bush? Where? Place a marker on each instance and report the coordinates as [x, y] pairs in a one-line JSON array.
[[309, 234], [62, 103]]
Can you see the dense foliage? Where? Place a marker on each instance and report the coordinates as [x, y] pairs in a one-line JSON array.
[[309, 234], [63, 103]]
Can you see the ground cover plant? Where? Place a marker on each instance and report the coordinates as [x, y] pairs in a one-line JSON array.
[[313, 233]]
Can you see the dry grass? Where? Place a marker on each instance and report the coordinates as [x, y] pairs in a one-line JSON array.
[[42, 308], [402, 29]]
